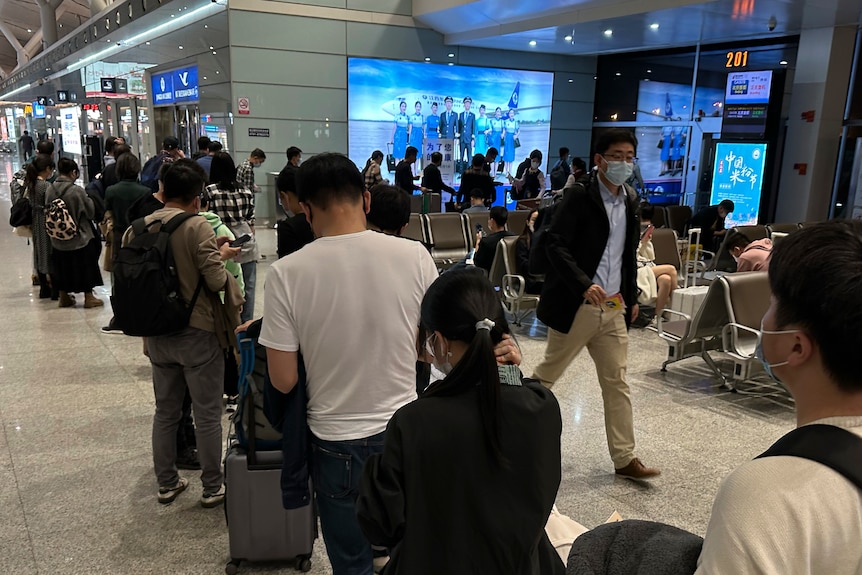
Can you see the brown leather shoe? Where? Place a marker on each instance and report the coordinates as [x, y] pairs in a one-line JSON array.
[[637, 470]]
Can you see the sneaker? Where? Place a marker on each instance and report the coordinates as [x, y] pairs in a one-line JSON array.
[[637, 470], [188, 459], [112, 329], [212, 498], [230, 406], [168, 494]]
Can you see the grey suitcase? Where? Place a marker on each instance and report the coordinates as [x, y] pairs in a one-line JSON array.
[[259, 528]]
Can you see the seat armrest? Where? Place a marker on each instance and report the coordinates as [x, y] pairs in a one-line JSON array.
[[514, 286], [660, 320], [728, 341]]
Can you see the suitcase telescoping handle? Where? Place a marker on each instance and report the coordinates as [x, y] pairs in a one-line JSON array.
[[245, 345]]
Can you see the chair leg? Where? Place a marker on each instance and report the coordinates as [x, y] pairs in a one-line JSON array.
[[712, 365]]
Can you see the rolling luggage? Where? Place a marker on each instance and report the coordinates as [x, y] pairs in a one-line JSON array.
[[259, 528], [390, 160], [688, 300]]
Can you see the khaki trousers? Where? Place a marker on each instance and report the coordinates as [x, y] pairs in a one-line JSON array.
[[604, 335]]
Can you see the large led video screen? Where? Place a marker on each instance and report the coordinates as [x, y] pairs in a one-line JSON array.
[[738, 176], [665, 101], [393, 105]]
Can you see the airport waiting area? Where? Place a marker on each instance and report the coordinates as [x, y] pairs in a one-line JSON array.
[[78, 495]]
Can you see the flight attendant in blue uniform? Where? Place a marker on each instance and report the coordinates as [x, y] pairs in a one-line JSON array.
[[511, 130], [432, 123], [497, 130], [415, 132], [483, 129], [666, 141], [399, 136], [677, 151]]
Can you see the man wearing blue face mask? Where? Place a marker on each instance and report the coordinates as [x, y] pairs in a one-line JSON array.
[[590, 290], [795, 509]]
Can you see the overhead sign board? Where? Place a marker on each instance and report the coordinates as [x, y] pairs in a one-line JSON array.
[[108, 85], [175, 86], [62, 96]]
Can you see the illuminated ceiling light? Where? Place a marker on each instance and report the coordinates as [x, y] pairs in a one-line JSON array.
[[29, 30], [180, 47], [451, 64], [427, 59], [214, 52], [649, 71], [654, 26], [205, 77], [783, 63], [532, 42], [568, 38], [451, 55], [618, 74], [211, 48], [609, 32], [148, 43], [206, 26], [570, 80]]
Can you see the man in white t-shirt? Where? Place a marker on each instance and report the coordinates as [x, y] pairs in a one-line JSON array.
[[350, 301], [785, 514]]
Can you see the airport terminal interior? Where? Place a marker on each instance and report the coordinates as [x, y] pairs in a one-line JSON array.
[[757, 101]]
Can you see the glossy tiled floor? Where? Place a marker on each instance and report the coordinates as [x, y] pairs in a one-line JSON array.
[[77, 492]]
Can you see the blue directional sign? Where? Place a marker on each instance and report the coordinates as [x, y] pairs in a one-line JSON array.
[[175, 86]]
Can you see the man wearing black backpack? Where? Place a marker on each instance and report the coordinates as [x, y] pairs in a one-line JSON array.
[[192, 356], [590, 289]]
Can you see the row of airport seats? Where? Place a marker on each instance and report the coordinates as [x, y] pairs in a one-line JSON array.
[[726, 323], [722, 260], [450, 236]]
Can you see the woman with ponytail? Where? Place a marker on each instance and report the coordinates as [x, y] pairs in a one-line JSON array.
[[36, 186], [470, 470]]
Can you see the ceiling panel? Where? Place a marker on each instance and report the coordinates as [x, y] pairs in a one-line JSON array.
[[22, 17]]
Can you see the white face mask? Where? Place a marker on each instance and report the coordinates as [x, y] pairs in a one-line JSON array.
[[535, 165], [445, 367], [618, 172]]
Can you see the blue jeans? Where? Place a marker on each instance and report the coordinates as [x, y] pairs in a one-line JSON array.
[[249, 276], [336, 468]]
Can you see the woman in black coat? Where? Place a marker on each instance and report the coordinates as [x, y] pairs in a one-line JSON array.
[[470, 470]]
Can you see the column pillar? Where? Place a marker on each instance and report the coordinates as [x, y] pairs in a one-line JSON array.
[[48, 17], [823, 68]]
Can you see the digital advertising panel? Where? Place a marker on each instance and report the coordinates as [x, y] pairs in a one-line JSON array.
[[71, 123], [738, 176], [665, 101], [175, 87], [746, 102], [393, 105]]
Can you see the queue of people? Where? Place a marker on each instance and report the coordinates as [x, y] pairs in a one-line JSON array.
[[476, 494]]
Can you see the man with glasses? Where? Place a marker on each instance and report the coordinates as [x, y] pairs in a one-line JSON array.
[[590, 291]]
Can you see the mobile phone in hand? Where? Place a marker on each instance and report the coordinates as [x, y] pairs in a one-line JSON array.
[[240, 241], [480, 230], [647, 231]]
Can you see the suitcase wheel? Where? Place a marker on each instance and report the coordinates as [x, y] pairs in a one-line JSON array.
[[232, 567], [303, 563]]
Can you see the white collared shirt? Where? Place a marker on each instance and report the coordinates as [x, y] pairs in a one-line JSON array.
[[610, 271]]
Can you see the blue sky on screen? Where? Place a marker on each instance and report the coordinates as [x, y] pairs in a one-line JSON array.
[[653, 98], [376, 86]]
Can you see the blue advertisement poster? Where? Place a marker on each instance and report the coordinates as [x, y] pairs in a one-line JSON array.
[[393, 105], [175, 87], [738, 176]]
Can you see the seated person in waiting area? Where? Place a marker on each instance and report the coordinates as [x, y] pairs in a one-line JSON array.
[[655, 282], [789, 515], [474, 496], [477, 202], [476, 177], [486, 247], [750, 256], [710, 220]]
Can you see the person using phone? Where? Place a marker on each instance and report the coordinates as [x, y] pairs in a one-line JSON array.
[[656, 282], [486, 244]]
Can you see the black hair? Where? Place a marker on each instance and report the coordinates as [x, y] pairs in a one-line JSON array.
[[258, 153], [390, 208], [184, 181], [493, 152], [203, 142], [527, 233], [579, 164], [223, 172], [327, 178], [164, 170], [109, 144], [286, 181], [453, 305], [647, 211], [120, 149], [67, 166], [45, 147], [376, 155], [417, 102], [615, 136], [128, 167], [500, 215], [411, 152], [477, 193], [726, 205], [826, 310], [293, 152], [214, 146], [436, 157], [564, 151], [39, 164], [737, 240], [478, 160], [536, 154]]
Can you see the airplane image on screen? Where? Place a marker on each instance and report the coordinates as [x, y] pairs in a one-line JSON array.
[[393, 106]]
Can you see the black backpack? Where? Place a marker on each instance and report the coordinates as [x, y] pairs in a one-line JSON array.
[[146, 298]]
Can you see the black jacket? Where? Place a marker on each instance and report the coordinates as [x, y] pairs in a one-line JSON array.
[[432, 180], [575, 243], [404, 177], [442, 504], [709, 221], [472, 180], [292, 234], [487, 249]]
